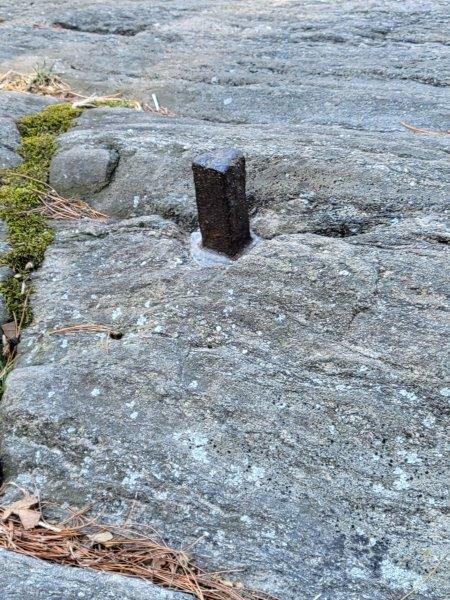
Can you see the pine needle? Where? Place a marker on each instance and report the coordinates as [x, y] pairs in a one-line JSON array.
[[424, 131], [125, 550]]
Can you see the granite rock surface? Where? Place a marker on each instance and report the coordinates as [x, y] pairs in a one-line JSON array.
[[289, 409], [26, 578]]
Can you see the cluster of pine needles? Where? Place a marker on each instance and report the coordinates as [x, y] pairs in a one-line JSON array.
[[55, 206], [127, 550]]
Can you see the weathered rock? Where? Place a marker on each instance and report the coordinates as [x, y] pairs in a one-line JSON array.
[[100, 19], [22, 577], [300, 178], [279, 404], [82, 170], [9, 141], [12, 107], [345, 65], [292, 403]]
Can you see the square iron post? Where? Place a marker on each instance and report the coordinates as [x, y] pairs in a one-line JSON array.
[[219, 179]]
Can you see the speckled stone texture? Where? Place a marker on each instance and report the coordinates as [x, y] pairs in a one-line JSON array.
[[290, 405], [288, 408], [26, 578]]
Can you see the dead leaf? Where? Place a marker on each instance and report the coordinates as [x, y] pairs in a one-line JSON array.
[[12, 509], [29, 518], [101, 538], [23, 509], [10, 330]]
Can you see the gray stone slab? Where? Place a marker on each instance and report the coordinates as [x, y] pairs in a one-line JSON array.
[[12, 107], [289, 406], [82, 170], [26, 578], [299, 178], [347, 64], [279, 405]]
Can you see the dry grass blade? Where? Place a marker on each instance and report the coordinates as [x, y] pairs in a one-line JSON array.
[[424, 131], [117, 550], [87, 327], [42, 81]]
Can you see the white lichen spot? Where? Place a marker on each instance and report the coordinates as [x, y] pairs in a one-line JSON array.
[[227, 101], [402, 482], [131, 479], [257, 474], [409, 395], [429, 421], [399, 577], [141, 321], [116, 313], [219, 535], [76, 314], [95, 392], [193, 385], [64, 344], [445, 391], [411, 458], [281, 317], [158, 329], [147, 304], [51, 394], [358, 573], [198, 442], [133, 415], [246, 519], [378, 488], [136, 200]]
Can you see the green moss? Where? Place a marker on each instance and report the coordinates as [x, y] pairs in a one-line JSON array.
[[28, 232], [11, 291], [54, 119], [114, 103]]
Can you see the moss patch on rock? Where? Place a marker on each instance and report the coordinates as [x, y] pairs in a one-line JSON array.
[[28, 232]]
